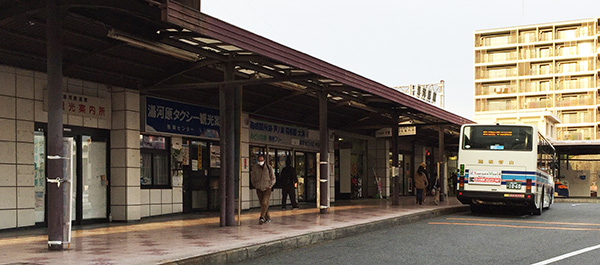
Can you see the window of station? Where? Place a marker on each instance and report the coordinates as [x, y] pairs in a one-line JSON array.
[[154, 152]]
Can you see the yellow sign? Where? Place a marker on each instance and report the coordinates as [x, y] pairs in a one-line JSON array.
[[497, 133], [200, 157]]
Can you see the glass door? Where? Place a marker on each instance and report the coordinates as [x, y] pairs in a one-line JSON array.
[[306, 171], [87, 167], [39, 178], [94, 178], [301, 173]]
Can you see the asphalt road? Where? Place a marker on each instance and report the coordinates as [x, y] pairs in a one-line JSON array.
[[499, 236]]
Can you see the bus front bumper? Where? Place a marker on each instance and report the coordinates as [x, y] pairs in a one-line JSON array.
[[496, 198]]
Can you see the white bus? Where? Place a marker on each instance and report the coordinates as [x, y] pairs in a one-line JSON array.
[[511, 165]]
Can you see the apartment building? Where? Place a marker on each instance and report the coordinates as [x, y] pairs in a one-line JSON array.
[[544, 74]]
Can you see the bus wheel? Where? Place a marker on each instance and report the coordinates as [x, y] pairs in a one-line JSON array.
[[538, 210], [550, 200]]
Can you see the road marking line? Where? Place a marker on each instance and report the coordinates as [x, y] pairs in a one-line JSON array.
[[568, 255], [519, 221], [518, 226]]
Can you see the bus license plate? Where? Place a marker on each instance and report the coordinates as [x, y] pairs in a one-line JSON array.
[[513, 185]]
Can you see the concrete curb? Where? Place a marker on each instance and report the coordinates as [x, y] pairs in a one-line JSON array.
[[255, 251], [577, 200]]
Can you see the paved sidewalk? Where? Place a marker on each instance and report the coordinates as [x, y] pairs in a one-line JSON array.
[[198, 239]]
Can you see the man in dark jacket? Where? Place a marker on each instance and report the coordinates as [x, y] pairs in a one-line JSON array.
[[288, 181]]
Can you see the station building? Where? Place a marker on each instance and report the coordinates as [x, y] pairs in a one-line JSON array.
[[143, 113]]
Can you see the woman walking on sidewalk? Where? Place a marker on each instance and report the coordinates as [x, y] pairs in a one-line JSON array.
[[421, 182]]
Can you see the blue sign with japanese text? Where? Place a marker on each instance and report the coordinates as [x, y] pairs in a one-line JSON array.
[[179, 118]]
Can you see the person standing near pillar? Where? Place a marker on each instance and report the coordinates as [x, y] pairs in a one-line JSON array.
[[263, 179], [421, 183], [288, 180]]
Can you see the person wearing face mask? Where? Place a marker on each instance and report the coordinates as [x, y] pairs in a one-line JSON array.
[[263, 179]]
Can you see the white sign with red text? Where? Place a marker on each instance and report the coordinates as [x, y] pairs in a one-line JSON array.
[[85, 106], [485, 177]]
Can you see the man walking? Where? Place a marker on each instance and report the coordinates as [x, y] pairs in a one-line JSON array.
[[288, 184], [263, 179]]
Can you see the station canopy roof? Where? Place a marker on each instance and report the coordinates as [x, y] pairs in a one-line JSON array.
[[165, 49], [577, 147]]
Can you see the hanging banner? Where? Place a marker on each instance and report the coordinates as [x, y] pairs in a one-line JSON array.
[[276, 133], [179, 118]]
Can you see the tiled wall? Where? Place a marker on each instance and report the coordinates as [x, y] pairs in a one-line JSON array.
[[125, 155], [21, 101]]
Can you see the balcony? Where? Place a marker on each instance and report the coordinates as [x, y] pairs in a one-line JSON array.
[[578, 134], [496, 73], [576, 33], [527, 37], [537, 104], [539, 70], [545, 36], [580, 83], [583, 49], [496, 57], [536, 53], [496, 41], [536, 86], [574, 101], [562, 68], [578, 117], [482, 90], [493, 105]]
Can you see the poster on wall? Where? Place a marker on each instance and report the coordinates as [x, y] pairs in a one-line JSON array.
[[179, 118], [215, 156], [185, 154], [194, 165]]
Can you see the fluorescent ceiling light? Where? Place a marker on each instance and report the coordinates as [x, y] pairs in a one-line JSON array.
[[154, 46]]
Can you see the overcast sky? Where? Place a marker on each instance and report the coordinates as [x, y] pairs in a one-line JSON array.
[[395, 42]]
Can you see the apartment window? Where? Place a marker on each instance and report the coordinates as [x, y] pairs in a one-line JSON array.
[[544, 52], [154, 162]]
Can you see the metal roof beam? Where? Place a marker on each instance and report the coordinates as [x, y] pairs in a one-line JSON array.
[[291, 95], [21, 10], [179, 71], [225, 83]]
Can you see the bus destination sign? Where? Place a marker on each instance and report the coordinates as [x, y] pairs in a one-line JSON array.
[[497, 133]]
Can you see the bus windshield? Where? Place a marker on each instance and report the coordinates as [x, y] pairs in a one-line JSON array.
[[508, 138]]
